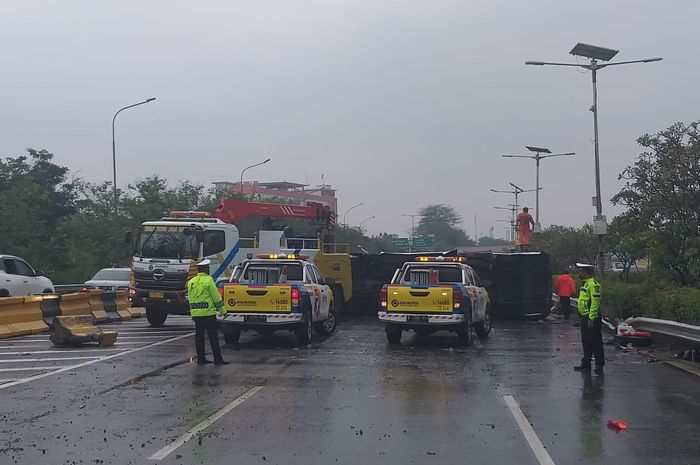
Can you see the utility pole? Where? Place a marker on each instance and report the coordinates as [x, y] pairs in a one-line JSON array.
[[595, 54], [538, 151]]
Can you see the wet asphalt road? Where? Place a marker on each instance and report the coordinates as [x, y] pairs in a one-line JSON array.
[[348, 399]]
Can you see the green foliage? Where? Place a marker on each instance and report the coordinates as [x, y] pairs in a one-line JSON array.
[[491, 241], [359, 242], [442, 221], [36, 198], [566, 246], [662, 190], [629, 241]]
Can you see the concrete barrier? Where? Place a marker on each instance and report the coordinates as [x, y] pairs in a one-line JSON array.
[[136, 312], [79, 329], [121, 300], [75, 304], [110, 305], [50, 307], [96, 306], [20, 316]]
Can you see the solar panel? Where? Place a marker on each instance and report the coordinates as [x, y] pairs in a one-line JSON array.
[[537, 149], [594, 52]]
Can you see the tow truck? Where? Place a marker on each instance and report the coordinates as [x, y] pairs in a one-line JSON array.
[[432, 294], [275, 292], [166, 251]]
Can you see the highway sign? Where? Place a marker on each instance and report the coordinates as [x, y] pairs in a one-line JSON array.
[[424, 241]]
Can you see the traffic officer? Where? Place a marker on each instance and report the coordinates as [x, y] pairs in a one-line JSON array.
[[205, 301], [591, 320]]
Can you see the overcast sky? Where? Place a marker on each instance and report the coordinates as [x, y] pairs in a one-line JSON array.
[[398, 103]]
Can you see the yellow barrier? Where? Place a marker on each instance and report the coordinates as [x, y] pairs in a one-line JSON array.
[[20, 316], [96, 306], [75, 304], [121, 300]]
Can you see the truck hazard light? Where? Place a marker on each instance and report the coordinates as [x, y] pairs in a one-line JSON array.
[[189, 214], [441, 259]]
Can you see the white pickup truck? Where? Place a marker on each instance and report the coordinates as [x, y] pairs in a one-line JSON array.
[[432, 294]]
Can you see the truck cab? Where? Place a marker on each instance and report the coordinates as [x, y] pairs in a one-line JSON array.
[[278, 292], [435, 293], [165, 256]]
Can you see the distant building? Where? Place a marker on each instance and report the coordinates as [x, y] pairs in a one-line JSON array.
[[289, 191]]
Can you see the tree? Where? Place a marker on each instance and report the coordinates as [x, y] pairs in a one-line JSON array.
[[442, 221], [662, 190], [486, 240], [36, 198], [566, 246], [628, 241]]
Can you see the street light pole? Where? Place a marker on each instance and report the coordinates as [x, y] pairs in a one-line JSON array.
[[114, 152], [413, 229], [348, 210], [538, 151], [595, 55], [247, 168], [366, 220], [516, 192]]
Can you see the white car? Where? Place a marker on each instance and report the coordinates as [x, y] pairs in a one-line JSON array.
[[17, 278], [110, 279]]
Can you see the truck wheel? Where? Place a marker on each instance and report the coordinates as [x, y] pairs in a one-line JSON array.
[[231, 335], [327, 326], [463, 335], [483, 328], [155, 316], [338, 299], [393, 334], [305, 330], [4, 293]]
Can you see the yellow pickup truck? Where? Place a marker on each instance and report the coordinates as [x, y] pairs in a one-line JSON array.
[[278, 291], [432, 294]]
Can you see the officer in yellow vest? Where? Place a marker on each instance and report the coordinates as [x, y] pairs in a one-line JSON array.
[[205, 302], [591, 320]]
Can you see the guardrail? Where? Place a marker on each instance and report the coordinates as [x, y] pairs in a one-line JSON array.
[[67, 288], [654, 325], [666, 327]]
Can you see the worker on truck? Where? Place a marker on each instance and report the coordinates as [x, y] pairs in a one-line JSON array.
[[591, 320], [205, 302], [524, 223]]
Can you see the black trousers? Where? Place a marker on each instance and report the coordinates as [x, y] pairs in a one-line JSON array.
[[592, 342], [208, 324], [565, 306]]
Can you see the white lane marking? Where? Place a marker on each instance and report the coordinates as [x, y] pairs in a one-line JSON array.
[[73, 351], [47, 359], [2, 370], [530, 436], [170, 448], [91, 362]]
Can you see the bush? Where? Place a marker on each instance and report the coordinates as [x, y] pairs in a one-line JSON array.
[[651, 298]]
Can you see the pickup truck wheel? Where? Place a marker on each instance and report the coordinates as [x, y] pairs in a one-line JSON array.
[[483, 328], [305, 330], [393, 334], [232, 335], [155, 316], [327, 326]]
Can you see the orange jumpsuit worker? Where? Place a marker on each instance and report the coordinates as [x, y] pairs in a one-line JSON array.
[[524, 223], [565, 287]]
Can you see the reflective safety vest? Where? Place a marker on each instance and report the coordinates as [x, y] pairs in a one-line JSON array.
[[203, 296], [589, 299]]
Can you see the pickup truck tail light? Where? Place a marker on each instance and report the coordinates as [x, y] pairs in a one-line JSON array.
[[295, 297], [456, 298], [382, 298]]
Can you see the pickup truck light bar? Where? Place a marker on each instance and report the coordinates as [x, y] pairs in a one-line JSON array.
[[283, 256], [441, 259]]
